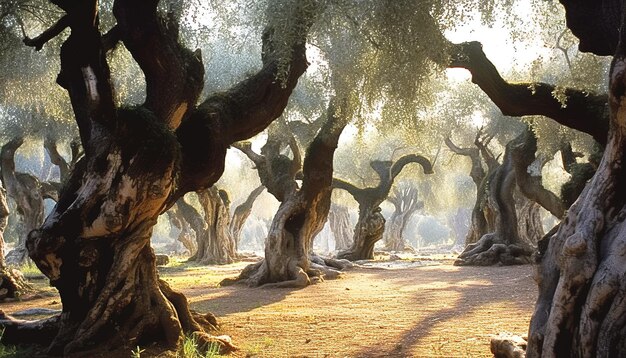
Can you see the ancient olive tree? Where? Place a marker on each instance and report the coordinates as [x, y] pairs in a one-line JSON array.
[[580, 308], [241, 213], [186, 235], [371, 223], [28, 193], [512, 193], [12, 283], [405, 203], [340, 225], [215, 242], [482, 220], [289, 260], [95, 245]]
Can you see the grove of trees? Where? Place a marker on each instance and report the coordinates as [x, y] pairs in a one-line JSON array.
[[115, 112]]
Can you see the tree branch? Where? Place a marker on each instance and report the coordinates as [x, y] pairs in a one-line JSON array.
[[490, 159], [350, 188], [111, 38], [296, 163], [397, 167], [523, 150], [477, 172], [318, 161], [49, 34], [155, 47], [85, 74], [246, 148], [583, 111], [56, 158]]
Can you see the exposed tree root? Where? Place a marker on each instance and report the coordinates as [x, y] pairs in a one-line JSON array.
[[319, 269], [132, 307], [12, 283], [491, 250]]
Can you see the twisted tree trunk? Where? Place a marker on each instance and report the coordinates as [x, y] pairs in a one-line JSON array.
[[504, 245], [289, 260], [482, 219], [339, 219], [580, 308], [216, 246], [26, 191], [12, 282], [95, 245], [404, 200], [241, 213], [186, 235], [371, 223]]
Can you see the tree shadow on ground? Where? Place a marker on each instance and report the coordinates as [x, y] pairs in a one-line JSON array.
[[238, 299], [481, 291]]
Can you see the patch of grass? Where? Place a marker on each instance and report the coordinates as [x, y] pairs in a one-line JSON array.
[[190, 349], [136, 353], [14, 351]]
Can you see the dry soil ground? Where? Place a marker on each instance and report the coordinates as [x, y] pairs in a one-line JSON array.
[[429, 310]]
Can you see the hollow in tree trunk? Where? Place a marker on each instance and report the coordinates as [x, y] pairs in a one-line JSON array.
[[371, 223], [95, 245]]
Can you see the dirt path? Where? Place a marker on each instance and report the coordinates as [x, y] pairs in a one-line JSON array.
[[431, 311]]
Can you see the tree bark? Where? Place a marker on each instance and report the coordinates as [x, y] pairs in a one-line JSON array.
[[339, 219], [404, 200], [289, 260], [586, 112], [529, 222], [95, 245], [580, 308], [371, 223]]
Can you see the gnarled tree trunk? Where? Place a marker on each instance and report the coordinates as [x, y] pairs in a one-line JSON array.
[[95, 245], [529, 222], [504, 245], [404, 200], [12, 282], [339, 220], [216, 246], [371, 223], [26, 191], [241, 213], [482, 219], [186, 235], [289, 260], [580, 309]]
